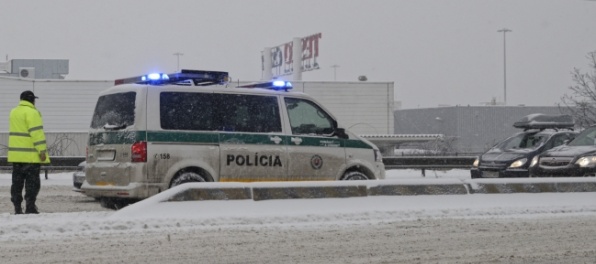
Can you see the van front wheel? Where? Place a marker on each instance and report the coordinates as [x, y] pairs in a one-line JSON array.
[[187, 177], [354, 176]]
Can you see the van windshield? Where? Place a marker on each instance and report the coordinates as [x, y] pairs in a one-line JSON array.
[[114, 111]]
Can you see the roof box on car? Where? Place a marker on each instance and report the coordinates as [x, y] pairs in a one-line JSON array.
[[542, 121]]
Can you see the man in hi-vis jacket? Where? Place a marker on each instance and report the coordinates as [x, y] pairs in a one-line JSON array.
[[27, 150]]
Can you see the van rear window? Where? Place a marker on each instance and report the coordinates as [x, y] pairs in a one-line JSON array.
[[114, 111], [219, 112]]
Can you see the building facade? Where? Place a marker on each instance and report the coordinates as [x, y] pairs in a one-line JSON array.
[[67, 107], [470, 129]]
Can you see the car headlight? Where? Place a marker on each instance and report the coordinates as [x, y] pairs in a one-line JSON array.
[[476, 162], [518, 163], [588, 161], [534, 161]]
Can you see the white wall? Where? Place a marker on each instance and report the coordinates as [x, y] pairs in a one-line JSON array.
[[362, 107], [67, 106], [64, 105]]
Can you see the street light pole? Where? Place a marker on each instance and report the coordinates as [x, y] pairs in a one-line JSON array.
[[504, 30], [335, 66], [178, 54]]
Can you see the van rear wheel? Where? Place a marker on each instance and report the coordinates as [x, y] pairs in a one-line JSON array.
[[114, 203], [187, 177], [354, 176]]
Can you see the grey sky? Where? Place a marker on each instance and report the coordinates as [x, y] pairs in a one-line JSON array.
[[438, 52]]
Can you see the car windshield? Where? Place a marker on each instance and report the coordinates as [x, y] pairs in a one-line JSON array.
[[585, 138], [523, 141]]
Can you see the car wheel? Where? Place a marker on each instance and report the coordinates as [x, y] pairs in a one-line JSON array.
[[114, 203], [354, 176], [187, 177]]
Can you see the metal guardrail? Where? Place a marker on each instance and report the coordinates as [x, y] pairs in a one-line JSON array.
[[428, 162], [424, 163], [391, 162], [57, 163]]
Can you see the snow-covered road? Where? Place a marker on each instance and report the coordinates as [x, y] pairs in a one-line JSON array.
[[496, 228]]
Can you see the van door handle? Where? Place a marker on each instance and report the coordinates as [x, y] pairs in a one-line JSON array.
[[276, 139], [296, 140]]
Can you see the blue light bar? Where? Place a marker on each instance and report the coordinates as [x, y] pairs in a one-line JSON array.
[[154, 76], [279, 83], [274, 85], [199, 78]]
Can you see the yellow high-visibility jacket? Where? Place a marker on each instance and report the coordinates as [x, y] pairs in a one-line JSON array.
[[26, 139]]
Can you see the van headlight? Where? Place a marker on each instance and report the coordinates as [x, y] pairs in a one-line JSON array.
[[378, 156], [518, 163], [534, 161], [476, 162], [588, 161]]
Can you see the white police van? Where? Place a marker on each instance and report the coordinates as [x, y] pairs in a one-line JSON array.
[[152, 132]]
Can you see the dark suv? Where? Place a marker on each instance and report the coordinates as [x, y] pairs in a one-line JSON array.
[[511, 157], [577, 158]]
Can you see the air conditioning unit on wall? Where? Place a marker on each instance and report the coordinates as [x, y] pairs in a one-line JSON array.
[[27, 72]]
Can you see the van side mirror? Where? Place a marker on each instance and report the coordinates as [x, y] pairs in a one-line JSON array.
[[340, 133]]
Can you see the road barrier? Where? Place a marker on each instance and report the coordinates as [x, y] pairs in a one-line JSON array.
[[231, 191], [532, 185], [269, 191], [424, 163], [261, 191]]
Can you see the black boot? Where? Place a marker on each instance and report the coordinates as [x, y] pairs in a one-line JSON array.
[[31, 209], [18, 209]]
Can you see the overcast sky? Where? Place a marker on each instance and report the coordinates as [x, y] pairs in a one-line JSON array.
[[438, 52]]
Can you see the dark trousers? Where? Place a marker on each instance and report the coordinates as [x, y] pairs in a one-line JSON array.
[[25, 175]]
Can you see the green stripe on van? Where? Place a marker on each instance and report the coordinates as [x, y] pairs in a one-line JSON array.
[[257, 139], [351, 143], [329, 142], [129, 137], [318, 142], [196, 137]]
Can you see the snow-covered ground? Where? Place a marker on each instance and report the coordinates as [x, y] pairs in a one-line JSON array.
[[150, 217], [150, 213]]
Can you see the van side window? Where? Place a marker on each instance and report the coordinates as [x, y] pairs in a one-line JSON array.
[[114, 110], [247, 113], [308, 118], [186, 111], [219, 112]]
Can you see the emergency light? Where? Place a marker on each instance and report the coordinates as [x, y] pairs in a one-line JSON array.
[[274, 85], [184, 77]]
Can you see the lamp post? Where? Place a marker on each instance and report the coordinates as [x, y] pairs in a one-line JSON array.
[[335, 66], [504, 30], [178, 54]]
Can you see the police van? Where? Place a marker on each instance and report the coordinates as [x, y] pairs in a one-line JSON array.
[[152, 132]]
